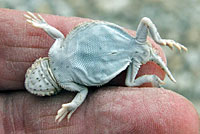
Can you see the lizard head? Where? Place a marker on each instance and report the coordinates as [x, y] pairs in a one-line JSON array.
[[146, 53]]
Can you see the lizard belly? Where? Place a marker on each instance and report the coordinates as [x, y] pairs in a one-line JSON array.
[[93, 55]]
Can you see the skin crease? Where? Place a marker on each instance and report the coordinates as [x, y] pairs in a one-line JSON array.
[[110, 109]]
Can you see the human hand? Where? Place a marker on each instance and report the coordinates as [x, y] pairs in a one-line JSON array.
[[106, 110]]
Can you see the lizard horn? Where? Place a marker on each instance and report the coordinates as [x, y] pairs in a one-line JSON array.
[[157, 59]]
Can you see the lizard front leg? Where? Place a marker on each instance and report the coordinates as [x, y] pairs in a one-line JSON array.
[[132, 72], [142, 31]]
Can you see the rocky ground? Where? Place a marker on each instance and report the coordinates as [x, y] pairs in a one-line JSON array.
[[177, 20]]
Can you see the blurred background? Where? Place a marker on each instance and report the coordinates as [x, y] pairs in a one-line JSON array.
[[178, 20]]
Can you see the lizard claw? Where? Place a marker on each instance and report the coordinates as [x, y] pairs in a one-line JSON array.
[[172, 43]]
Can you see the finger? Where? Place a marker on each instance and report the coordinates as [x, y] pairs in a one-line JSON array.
[[41, 18], [184, 48], [170, 44], [21, 44], [108, 110], [32, 16], [27, 17], [177, 45]]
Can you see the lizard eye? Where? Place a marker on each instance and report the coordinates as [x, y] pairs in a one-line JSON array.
[[146, 53]]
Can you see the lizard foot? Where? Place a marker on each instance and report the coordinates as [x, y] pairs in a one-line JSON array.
[[68, 108], [171, 43]]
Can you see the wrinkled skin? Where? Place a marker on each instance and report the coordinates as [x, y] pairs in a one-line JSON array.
[[106, 110]]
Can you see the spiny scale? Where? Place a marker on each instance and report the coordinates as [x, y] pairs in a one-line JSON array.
[[40, 80]]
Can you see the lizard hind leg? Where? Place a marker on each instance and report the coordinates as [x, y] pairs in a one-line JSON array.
[[39, 22], [69, 108]]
